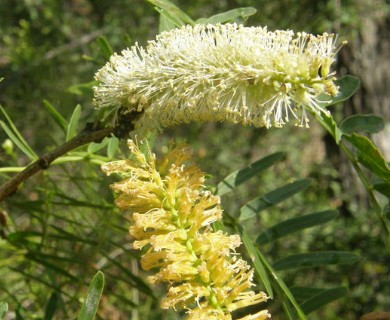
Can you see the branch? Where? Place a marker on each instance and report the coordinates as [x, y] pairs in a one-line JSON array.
[[44, 161]]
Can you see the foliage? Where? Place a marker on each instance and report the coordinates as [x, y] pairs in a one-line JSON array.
[[61, 226]]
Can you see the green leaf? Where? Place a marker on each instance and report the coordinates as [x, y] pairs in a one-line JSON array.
[[105, 47], [240, 14], [51, 306], [369, 123], [281, 286], [3, 309], [16, 137], [238, 177], [304, 293], [369, 156], [253, 207], [95, 290], [94, 147], [81, 88], [383, 188], [322, 298], [329, 125], [295, 224], [176, 15], [314, 259], [258, 264], [167, 22], [112, 147], [348, 86], [73, 123], [57, 117]]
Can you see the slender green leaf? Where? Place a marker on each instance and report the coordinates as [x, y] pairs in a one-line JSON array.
[[23, 147], [105, 47], [258, 264], [369, 123], [314, 259], [112, 147], [13, 127], [57, 117], [369, 156], [81, 88], [3, 310], [167, 22], [17, 138], [326, 296], [304, 293], [281, 286], [95, 290], [178, 16], [233, 15], [253, 207], [295, 224], [73, 123], [51, 306], [237, 178]]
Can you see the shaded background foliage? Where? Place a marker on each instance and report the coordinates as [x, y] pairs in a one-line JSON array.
[[62, 225]]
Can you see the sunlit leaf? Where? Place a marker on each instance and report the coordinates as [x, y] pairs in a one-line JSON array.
[[233, 15], [112, 147], [238, 177], [295, 224], [91, 304], [322, 298], [369, 156], [253, 207], [3, 310], [369, 123], [166, 22], [176, 14], [94, 146], [315, 259], [73, 123]]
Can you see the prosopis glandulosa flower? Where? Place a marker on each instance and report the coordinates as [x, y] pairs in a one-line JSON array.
[[172, 213], [229, 72]]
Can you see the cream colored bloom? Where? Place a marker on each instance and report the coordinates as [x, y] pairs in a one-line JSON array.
[[228, 72], [172, 213]]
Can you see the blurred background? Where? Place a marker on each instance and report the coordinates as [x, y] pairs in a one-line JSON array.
[[61, 227]]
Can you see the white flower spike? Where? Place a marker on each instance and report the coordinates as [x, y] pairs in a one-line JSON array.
[[229, 72]]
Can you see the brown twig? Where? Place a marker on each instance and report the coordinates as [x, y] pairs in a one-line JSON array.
[[44, 161]]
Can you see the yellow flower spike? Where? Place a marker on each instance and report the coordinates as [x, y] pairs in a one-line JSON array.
[[222, 72], [171, 213]]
